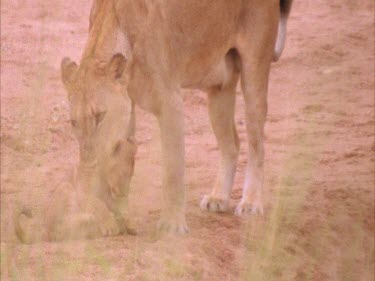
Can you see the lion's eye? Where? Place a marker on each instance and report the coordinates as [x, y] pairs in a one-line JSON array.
[[117, 148], [99, 117], [73, 123]]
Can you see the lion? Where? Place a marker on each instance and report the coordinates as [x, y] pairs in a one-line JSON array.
[[86, 205], [150, 51]]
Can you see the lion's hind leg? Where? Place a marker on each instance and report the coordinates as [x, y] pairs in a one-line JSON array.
[[221, 106]]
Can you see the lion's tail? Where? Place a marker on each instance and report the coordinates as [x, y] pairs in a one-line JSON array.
[[23, 224], [285, 6]]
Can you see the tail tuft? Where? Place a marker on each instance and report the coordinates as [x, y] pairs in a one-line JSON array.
[[285, 6]]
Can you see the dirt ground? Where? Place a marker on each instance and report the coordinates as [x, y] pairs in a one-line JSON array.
[[319, 174]]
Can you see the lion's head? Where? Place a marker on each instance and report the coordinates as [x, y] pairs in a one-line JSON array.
[[102, 117]]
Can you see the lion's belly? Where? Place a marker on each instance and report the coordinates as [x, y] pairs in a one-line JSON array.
[[200, 33], [216, 74]]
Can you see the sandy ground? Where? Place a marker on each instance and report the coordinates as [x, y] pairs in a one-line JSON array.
[[319, 185]]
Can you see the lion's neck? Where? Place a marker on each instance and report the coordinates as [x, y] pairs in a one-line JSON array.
[[105, 37]]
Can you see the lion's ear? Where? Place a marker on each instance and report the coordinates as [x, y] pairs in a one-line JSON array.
[[68, 68], [116, 66]]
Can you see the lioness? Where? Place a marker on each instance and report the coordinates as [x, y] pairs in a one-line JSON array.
[[90, 203], [169, 45]]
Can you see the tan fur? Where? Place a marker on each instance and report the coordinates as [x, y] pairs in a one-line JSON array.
[[173, 44], [84, 206]]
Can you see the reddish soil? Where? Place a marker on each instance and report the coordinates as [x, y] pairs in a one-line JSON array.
[[319, 186]]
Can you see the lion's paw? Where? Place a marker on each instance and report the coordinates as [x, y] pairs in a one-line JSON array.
[[173, 225], [214, 204], [109, 227], [245, 208], [126, 226]]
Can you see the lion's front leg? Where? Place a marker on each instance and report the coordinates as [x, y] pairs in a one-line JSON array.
[[171, 121], [119, 206]]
